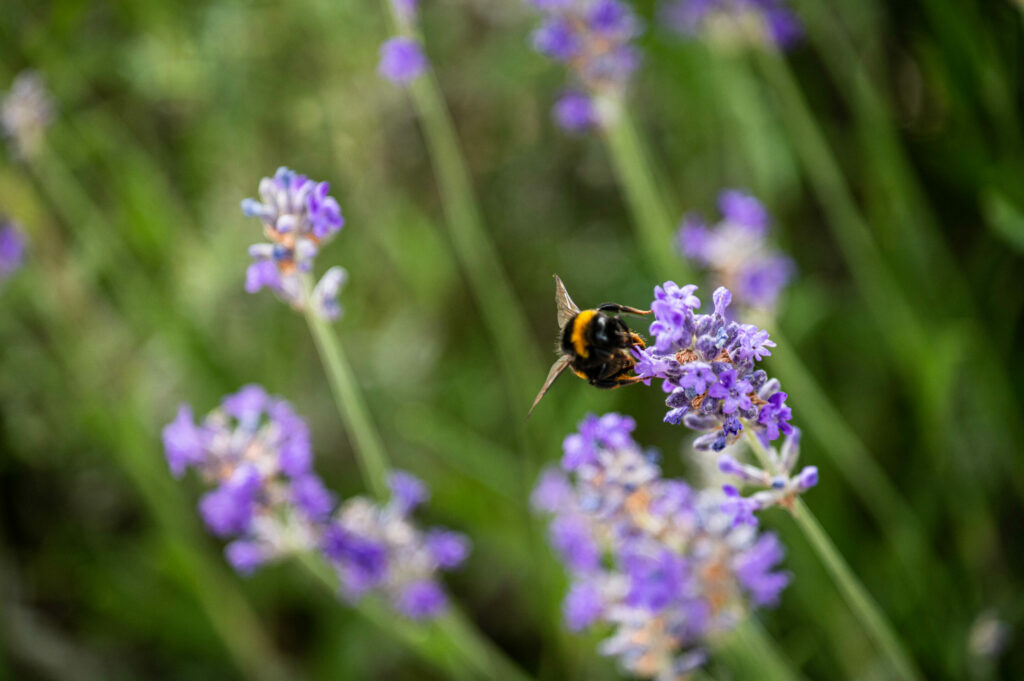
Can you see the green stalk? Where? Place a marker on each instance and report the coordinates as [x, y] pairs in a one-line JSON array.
[[351, 407], [503, 316], [756, 654], [652, 221], [452, 630], [856, 596]]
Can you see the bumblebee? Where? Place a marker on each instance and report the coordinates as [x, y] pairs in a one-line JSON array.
[[594, 343]]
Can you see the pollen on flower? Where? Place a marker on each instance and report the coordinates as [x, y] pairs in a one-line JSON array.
[[664, 566], [708, 367]]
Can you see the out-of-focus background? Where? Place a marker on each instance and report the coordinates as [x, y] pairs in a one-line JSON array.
[[131, 301]]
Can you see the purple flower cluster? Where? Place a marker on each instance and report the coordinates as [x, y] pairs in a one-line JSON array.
[[25, 113], [736, 250], [708, 364], [401, 60], [298, 216], [375, 547], [594, 38], [735, 22], [778, 486], [663, 565], [12, 248], [257, 455]]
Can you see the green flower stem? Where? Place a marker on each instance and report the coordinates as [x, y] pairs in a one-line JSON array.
[[451, 643], [857, 597], [499, 307], [652, 221], [452, 631], [372, 460], [754, 654], [892, 514]]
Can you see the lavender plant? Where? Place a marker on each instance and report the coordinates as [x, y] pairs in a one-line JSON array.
[[736, 250], [12, 248], [256, 454], [708, 365], [594, 39], [25, 113], [298, 216], [666, 567], [734, 22]]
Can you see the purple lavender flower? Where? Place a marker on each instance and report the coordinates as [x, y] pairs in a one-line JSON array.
[[401, 60], [574, 112], [665, 567], [25, 113], [298, 216], [594, 38], [421, 600], [778, 486], [755, 23], [708, 367], [12, 249], [373, 546], [255, 452], [736, 250]]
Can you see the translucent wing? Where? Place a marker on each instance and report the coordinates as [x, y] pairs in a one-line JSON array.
[[566, 308], [556, 369]]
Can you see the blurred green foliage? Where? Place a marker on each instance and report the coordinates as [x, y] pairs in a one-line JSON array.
[[169, 113]]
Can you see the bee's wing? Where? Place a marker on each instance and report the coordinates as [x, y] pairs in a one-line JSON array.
[[566, 308], [556, 369]]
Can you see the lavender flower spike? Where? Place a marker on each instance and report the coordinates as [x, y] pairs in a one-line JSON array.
[[708, 366], [25, 113], [298, 216], [378, 548], [777, 487], [401, 60], [737, 252], [662, 565], [594, 39], [734, 23], [12, 248], [256, 454]]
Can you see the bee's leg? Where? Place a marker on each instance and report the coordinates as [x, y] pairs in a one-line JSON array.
[[616, 307], [618, 382], [637, 340]]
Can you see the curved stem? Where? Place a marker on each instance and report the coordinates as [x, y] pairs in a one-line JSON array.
[[757, 655], [856, 596], [506, 322], [349, 400]]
